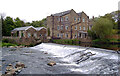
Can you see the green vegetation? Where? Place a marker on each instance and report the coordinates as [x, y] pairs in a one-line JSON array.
[[8, 24], [101, 28], [67, 41], [8, 44]]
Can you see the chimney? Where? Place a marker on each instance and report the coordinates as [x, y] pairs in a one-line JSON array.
[[93, 17]]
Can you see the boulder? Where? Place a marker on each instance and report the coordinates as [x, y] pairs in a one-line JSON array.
[[19, 64], [51, 63], [9, 68]]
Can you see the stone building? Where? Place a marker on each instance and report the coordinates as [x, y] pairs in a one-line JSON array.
[[29, 34], [68, 25]]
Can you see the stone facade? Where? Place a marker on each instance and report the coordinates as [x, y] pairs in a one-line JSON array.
[[68, 25], [29, 35]]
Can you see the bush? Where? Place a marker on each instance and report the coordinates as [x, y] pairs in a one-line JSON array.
[[8, 44], [67, 41], [5, 40]]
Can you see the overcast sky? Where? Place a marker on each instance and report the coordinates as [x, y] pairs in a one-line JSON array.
[[30, 10]]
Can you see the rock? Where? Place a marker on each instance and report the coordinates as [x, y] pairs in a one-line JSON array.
[[11, 46], [45, 53], [9, 68], [11, 72], [51, 63], [19, 64]]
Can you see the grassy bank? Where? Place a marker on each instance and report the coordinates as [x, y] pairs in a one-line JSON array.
[[67, 41]]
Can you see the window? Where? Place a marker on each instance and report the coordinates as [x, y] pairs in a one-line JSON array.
[[83, 27], [58, 19], [80, 27], [78, 19], [61, 27], [40, 34], [75, 35], [58, 35], [35, 35], [74, 19], [75, 27], [61, 35], [61, 19], [66, 35], [29, 34], [66, 27], [58, 27], [66, 18], [83, 20]]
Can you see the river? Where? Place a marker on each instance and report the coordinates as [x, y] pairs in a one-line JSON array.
[[69, 59]]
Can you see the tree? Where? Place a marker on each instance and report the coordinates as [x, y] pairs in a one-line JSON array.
[[18, 22], [8, 26], [102, 27]]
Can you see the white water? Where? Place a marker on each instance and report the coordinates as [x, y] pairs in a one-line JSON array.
[[100, 62]]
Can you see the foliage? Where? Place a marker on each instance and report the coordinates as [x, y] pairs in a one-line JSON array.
[[8, 24], [102, 27], [8, 44], [67, 41], [8, 40]]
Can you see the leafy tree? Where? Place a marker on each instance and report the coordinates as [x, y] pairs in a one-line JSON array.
[[18, 22], [102, 27], [8, 26]]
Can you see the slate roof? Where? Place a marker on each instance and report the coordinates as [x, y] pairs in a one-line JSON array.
[[62, 13], [80, 14], [39, 28], [22, 28]]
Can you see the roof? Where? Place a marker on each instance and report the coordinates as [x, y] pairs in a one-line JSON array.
[[62, 13], [80, 14], [39, 28], [22, 28]]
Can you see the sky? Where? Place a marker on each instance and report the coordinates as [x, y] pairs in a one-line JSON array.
[[32, 10]]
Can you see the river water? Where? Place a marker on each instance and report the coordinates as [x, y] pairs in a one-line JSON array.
[[69, 59]]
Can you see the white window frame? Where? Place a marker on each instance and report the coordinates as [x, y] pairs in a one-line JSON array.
[[74, 18], [84, 28], [61, 27], [76, 35], [35, 35], [80, 27], [76, 27], [83, 19], [78, 19], [66, 35], [66, 27], [66, 18], [61, 35], [58, 35], [61, 19], [29, 34], [58, 27]]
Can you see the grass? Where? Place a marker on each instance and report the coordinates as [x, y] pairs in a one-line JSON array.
[[67, 41], [8, 44]]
